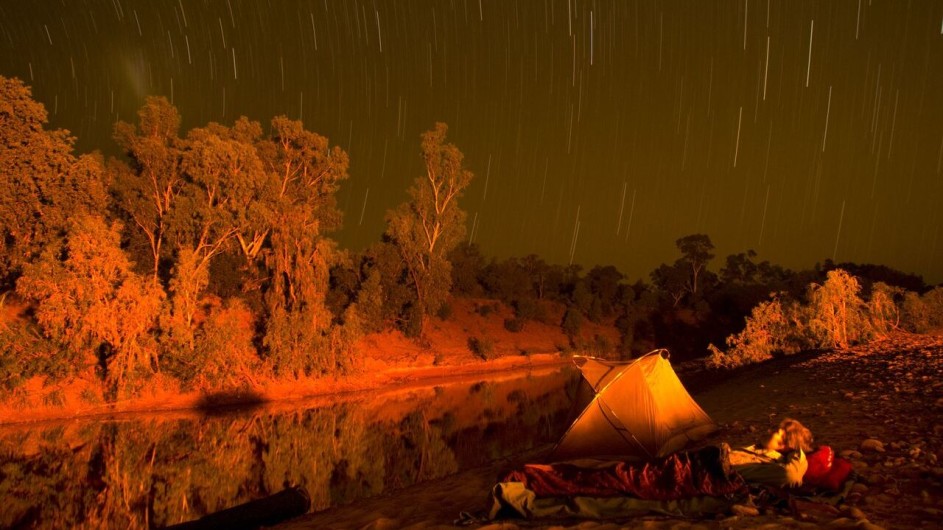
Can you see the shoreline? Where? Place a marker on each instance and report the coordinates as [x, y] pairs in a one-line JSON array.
[[275, 392]]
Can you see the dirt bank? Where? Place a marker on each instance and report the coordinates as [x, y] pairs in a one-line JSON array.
[[384, 360]]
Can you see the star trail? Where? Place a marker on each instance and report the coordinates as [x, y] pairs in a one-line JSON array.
[[599, 131]]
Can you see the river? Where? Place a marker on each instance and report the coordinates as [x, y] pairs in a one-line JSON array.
[[152, 470]]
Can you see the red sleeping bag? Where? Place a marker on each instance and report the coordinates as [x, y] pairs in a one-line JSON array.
[[826, 470]]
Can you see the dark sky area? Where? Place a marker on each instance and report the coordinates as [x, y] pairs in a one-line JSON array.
[[599, 131]]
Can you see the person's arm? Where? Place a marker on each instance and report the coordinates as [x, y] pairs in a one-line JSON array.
[[795, 465]]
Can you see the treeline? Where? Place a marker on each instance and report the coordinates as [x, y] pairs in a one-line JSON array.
[[835, 314], [205, 259]]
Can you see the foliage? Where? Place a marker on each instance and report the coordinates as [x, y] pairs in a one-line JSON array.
[[882, 308], [837, 316], [482, 347], [468, 265], [445, 311], [370, 302], [89, 301], [25, 353], [513, 325], [923, 314], [769, 331], [43, 183], [430, 225], [572, 322], [225, 357]]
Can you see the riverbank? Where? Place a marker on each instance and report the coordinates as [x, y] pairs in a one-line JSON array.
[[890, 392], [385, 360]]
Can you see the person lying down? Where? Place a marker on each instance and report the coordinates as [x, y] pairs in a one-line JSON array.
[[689, 483]]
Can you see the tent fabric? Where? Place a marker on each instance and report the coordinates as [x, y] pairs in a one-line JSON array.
[[639, 411]]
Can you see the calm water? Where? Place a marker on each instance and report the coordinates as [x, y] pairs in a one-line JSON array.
[[140, 471]]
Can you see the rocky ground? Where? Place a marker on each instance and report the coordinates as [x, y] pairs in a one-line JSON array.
[[879, 406]]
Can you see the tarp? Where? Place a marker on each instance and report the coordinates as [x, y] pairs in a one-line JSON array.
[[639, 410]]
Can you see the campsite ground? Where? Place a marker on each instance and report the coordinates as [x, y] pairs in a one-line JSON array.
[[878, 405]]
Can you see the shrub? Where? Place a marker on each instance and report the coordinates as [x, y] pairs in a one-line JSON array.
[[482, 347], [370, 301], [924, 313], [485, 309], [572, 322], [837, 315], [445, 311], [513, 324], [24, 353], [882, 309], [528, 309], [602, 346], [768, 331], [225, 356], [90, 302]]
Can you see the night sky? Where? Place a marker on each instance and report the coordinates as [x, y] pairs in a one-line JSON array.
[[599, 132]]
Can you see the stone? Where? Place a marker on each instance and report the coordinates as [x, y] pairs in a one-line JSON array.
[[872, 444], [850, 453], [855, 513], [743, 510], [842, 522], [859, 488], [868, 525], [383, 523], [499, 526]]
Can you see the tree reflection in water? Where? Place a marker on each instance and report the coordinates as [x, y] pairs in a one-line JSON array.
[[140, 471]]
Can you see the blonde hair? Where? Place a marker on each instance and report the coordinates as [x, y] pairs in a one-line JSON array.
[[796, 435]]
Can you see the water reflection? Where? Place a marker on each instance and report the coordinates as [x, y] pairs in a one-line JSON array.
[[155, 470]]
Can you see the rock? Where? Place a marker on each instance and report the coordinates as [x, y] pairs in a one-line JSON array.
[[859, 488], [868, 525], [743, 510], [499, 526], [842, 522], [872, 445], [854, 513], [850, 453], [933, 512], [383, 523]]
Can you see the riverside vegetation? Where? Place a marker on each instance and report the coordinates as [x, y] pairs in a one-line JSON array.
[[202, 261]]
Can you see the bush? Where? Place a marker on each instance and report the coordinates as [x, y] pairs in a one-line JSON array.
[[445, 311], [769, 330], [482, 347], [513, 324], [485, 309], [225, 356], [572, 322], [837, 316], [882, 308], [602, 346], [23, 353], [528, 309], [923, 314]]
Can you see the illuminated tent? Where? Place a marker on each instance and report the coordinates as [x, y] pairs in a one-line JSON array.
[[637, 410]]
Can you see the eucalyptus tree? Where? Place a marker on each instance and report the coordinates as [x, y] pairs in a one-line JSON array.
[[426, 228], [42, 183]]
